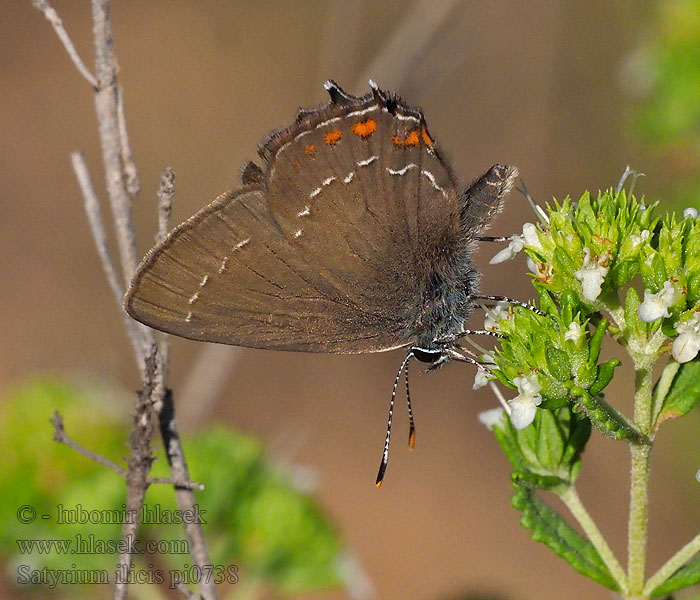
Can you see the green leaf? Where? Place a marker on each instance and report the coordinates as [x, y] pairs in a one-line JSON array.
[[535, 481], [506, 436], [558, 363], [684, 393], [693, 286], [548, 527], [550, 440], [623, 271], [586, 374], [659, 271], [606, 371], [569, 306], [563, 261], [632, 320], [597, 340], [605, 418], [580, 433], [546, 302], [684, 577]]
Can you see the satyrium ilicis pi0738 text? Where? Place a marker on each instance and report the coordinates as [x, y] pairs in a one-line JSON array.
[[353, 236]]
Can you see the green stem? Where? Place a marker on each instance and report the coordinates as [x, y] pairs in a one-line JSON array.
[[673, 564], [573, 502], [637, 529], [662, 388], [642, 398], [639, 484]]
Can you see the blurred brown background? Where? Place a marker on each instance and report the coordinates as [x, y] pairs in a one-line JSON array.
[[535, 84]]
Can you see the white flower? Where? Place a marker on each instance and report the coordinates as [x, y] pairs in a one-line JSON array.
[[638, 239], [655, 306], [690, 212], [687, 345], [491, 418], [532, 265], [488, 359], [697, 476], [516, 245], [495, 315], [574, 332], [650, 259], [592, 274], [480, 379], [524, 405], [530, 236]]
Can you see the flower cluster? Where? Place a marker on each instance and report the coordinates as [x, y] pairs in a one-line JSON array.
[[597, 246], [585, 258], [602, 266], [550, 358]]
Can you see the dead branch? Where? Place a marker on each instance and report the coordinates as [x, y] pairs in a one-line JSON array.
[[122, 185]]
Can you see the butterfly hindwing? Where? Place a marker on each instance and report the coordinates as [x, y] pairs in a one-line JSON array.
[[359, 188]]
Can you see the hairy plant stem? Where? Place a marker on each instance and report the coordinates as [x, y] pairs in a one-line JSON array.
[[639, 482], [673, 564], [572, 501]]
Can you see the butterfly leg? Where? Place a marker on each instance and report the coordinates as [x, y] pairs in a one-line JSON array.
[[492, 238], [509, 301], [456, 353], [451, 338]]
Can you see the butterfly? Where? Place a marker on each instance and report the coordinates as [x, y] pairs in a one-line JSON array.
[[351, 236]]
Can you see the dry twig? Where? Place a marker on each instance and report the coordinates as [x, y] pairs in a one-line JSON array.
[[152, 358]]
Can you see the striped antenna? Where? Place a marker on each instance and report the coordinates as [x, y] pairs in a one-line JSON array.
[[385, 454]]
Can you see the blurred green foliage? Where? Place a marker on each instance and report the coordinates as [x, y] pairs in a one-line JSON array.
[[671, 112], [254, 516], [667, 77]]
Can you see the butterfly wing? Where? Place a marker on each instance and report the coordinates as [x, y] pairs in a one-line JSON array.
[[335, 245], [360, 189], [229, 275]]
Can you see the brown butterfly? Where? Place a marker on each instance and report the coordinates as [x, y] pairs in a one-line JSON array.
[[353, 236]]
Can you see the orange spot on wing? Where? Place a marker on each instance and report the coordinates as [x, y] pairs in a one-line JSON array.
[[426, 138], [333, 137], [410, 140], [364, 129], [309, 150]]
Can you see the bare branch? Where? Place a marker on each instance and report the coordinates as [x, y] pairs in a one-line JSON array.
[[408, 41], [205, 381], [189, 595], [188, 485], [122, 185], [60, 435], [185, 498], [53, 18], [139, 462], [166, 191], [106, 106], [133, 185], [94, 214]]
